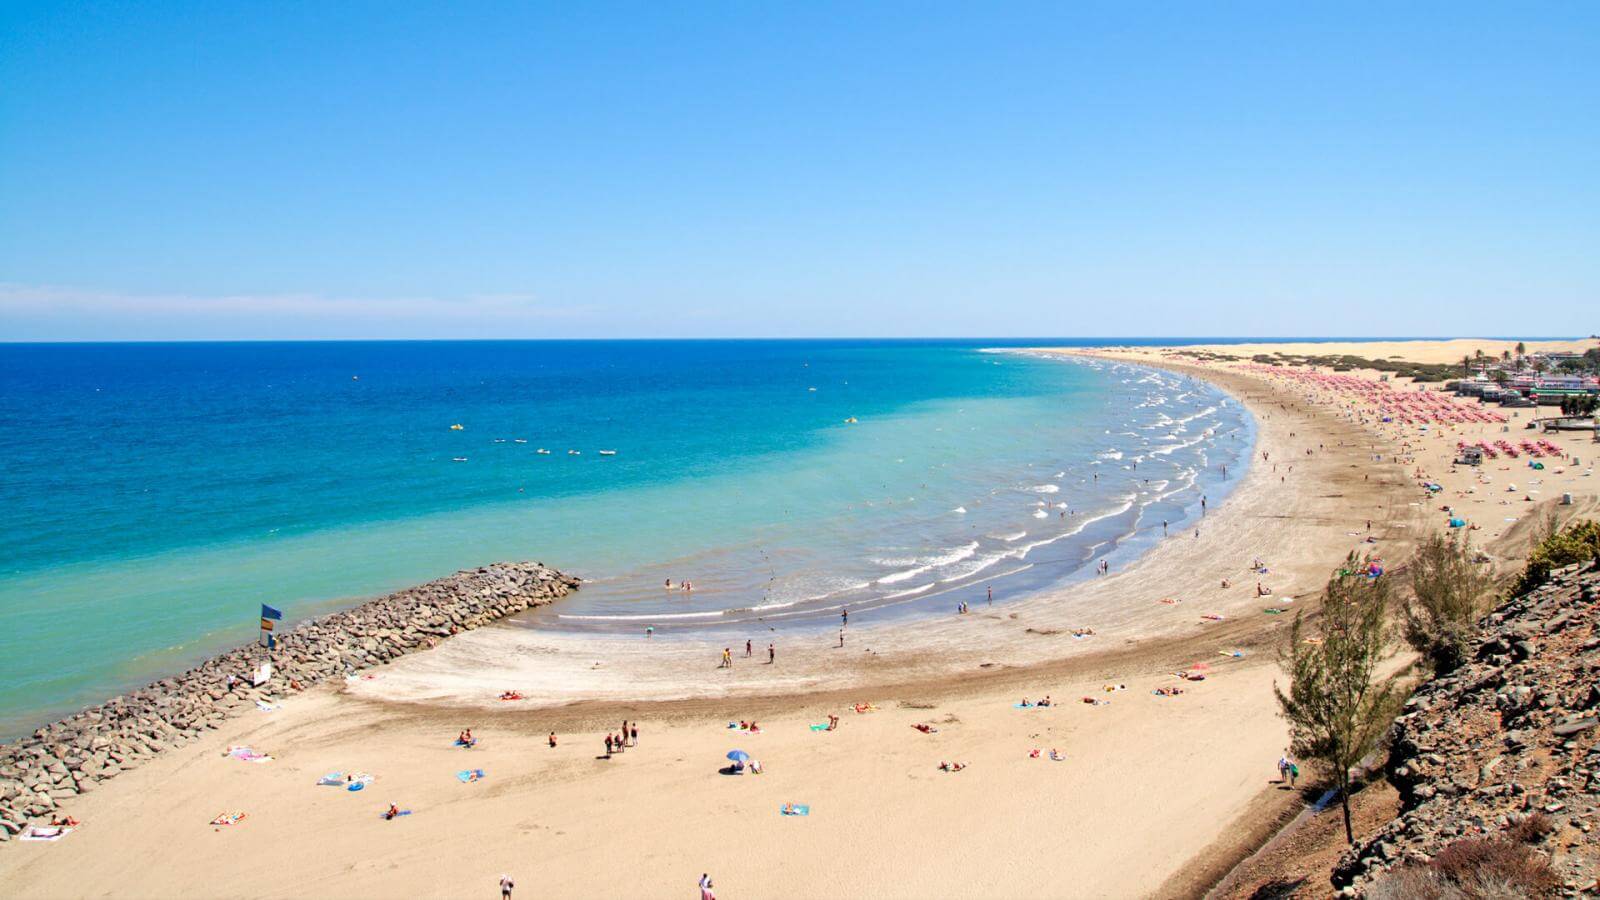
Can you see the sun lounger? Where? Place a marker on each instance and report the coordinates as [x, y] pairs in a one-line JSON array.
[[45, 833]]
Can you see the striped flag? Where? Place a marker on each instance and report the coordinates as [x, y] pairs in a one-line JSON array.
[[269, 615]]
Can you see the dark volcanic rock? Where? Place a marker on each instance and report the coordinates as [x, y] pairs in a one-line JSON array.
[[1507, 736]]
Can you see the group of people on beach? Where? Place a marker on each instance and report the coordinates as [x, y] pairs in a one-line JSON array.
[[615, 743]]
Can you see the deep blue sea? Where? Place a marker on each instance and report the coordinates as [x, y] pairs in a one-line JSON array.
[[153, 495]]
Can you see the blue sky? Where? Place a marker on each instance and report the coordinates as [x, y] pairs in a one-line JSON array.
[[324, 170]]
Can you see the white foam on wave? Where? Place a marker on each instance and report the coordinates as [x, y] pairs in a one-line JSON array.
[[908, 593], [953, 556], [1008, 538], [1040, 514], [1046, 488], [960, 509], [1110, 454]]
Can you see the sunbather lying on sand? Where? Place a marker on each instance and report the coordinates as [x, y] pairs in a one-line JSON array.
[[1056, 756], [951, 766], [510, 695], [925, 729]]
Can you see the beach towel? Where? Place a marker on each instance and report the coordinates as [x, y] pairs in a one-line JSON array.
[[247, 754], [45, 833], [356, 786], [332, 779], [465, 745], [796, 809], [228, 819], [358, 782], [469, 775], [822, 727], [264, 706], [403, 812]]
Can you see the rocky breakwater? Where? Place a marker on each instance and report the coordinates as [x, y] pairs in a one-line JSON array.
[[1503, 751], [59, 761]]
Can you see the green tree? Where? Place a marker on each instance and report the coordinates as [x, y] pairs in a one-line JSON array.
[[1448, 591], [1337, 706], [1522, 349]]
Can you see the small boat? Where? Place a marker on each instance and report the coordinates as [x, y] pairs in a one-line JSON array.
[[519, 440], [499, 440], [542, 451], [457, 427], [458, 458], [608, 453], [574, 453], [850, 421]]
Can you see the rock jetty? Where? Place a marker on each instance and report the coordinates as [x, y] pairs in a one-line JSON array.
[[72, 756], [1506, 748]]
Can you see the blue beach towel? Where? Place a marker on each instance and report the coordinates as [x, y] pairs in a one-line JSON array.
[[403, 812], [798, 809], [1025, 705], [823, 727], [466, 775]]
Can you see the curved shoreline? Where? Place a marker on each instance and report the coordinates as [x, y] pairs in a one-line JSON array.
[[1164, 763], [563, 669]]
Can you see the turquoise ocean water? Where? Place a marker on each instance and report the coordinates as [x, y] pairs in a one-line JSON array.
[[154, 494]]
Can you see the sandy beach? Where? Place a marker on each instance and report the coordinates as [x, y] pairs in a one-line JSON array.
[[1147, 787]]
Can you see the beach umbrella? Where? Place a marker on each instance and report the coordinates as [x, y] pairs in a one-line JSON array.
[[738, 755]]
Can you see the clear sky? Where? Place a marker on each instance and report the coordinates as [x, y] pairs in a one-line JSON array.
[[341, 169]]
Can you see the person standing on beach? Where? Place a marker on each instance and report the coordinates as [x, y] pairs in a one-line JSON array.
[[506, 884], [608, 745], [991, 595], [841, 637], [633, 733], [1202, 504], [727, 658], [772, 654], [747, 648], [844, 617], [705, 888]]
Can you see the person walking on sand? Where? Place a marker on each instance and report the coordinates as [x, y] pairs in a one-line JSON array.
[[991, 595], [772, 654], [552, 740], [633, 733], [705, 888], [841, 637], [844, 616], [506, 884], [727, 658], [608, 745], [747, 648]]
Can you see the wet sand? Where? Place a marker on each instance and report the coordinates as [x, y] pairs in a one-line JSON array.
[[1148, 782]]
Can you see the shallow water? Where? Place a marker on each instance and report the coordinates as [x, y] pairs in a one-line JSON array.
[[155, 494]]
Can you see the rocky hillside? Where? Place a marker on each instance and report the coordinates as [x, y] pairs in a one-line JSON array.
[[40, 772], [1498, 763]]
